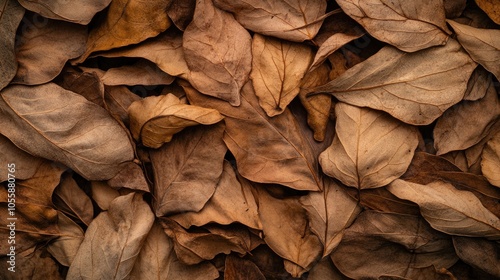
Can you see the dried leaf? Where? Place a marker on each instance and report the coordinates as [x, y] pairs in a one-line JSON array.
[[479, 253], [45, 120], [131, 177], [181, 12], [33, 265], [73, 11], [277, 70], [87, 85], [65, 247], [490, 163], [417, 95], [115, 236], [449, 210], [332, 44], [407, 25], [155, 119], [188, 169], [42, 52], [217, 52], [26, 164], [370, 149], [454, 8], [380, 199], [483, 45], [11, 14], [490, 7], [478, 84], [325, 270], [73, 201], [295, 20], [118, 99], [103, 194], [236, 268]]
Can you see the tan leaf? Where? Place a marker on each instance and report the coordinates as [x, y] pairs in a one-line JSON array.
[[277, 70], [370, 149], [478, 84], [157, 260], [113, 240], [131, 177], [332, 44], [188, 169], [490, 7], [26, 164], [103, 194], [87, 85], [45, 120], [479, 253], [325, 270], [65, 247], [43, 51], [11, 14], [454, 8], [181, 12], [380, 199], [73, 201], [236, 268], [278, 154], [33, 265], [436, 80], [466, 123], [231, 202], [295, 20], [490, 163], [155, 119], [76, 11], [483, 45], [394, 245], [117, 100], [449, 210], [217, 52], [407, 25], [126, 23]]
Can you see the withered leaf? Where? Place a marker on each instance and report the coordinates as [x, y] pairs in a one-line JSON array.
[[181, 12], [381, 200], [103, 194], [277, 70], [126, 23], [325, 270], [65, 247], [117, 100], [370, 149], [76, 11], [394, 245], [456, 212], [479, 252], [217, 52], [478, 84], [231, 202], [131, 176], [26, 164], [236, 268], [332, 44], [483, 45], [267, 150], [188, 169], [454, 8], [43, 51], [73, 201], [11, 15], [155, 119], [86, 84], [51, 122], [490, 163], [157, 260], [407, 25], [490, 7], [295, 20], [436, 80], [33, 265], [115, 236]]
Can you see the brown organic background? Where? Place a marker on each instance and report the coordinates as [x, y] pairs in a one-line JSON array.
[[251, 139]]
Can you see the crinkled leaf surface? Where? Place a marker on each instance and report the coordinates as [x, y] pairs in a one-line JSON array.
[[490, 163], [11, 14], [51, 122], [65, 247], [26, 164], [76, 11], [490, 7], [332, 44]]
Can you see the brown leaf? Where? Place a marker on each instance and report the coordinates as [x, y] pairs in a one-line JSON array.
[[409, 26], [155, 119], [231, 202], [33, 265], [479, 253], [217, 52], [86, 84], [490, 163], [42, 52], [454, 8], [325, 270], [394, 245], [236, 268], [277, 70], [332, 44], [370, 149], [483, 45], [490, 7], [115, 236], [380, 199], [45, 120], [131, 177], [188, 169], [11, 15], [278, 154], [181, 12], [73, 201], [73, 11], [125, 24], [117, 100], [449, 210], [330, 212], [296, 20], [417, 95], [26, 164], [157, 260], [103, 194], [478, 84], [65, 247]]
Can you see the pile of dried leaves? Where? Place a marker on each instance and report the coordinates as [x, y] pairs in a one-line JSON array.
[[250, 139]]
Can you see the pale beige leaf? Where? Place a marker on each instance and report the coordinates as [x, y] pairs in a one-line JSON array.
[[126, 23], [332, 44], [11, 14], [113, 240], [157, 260], [416, 94], [73, 201], [490, 163], [217, 52], [26, 164], [407, 25], [103, 194], [293, 20], [187, 170], [479, 253], [370, 149], [277, 70], [43, 51], [65, 247], [478, 84], [449, 210], [155, 119], [231, 202], [51, 122], [76, 11], [490, 7], [483, 45]]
